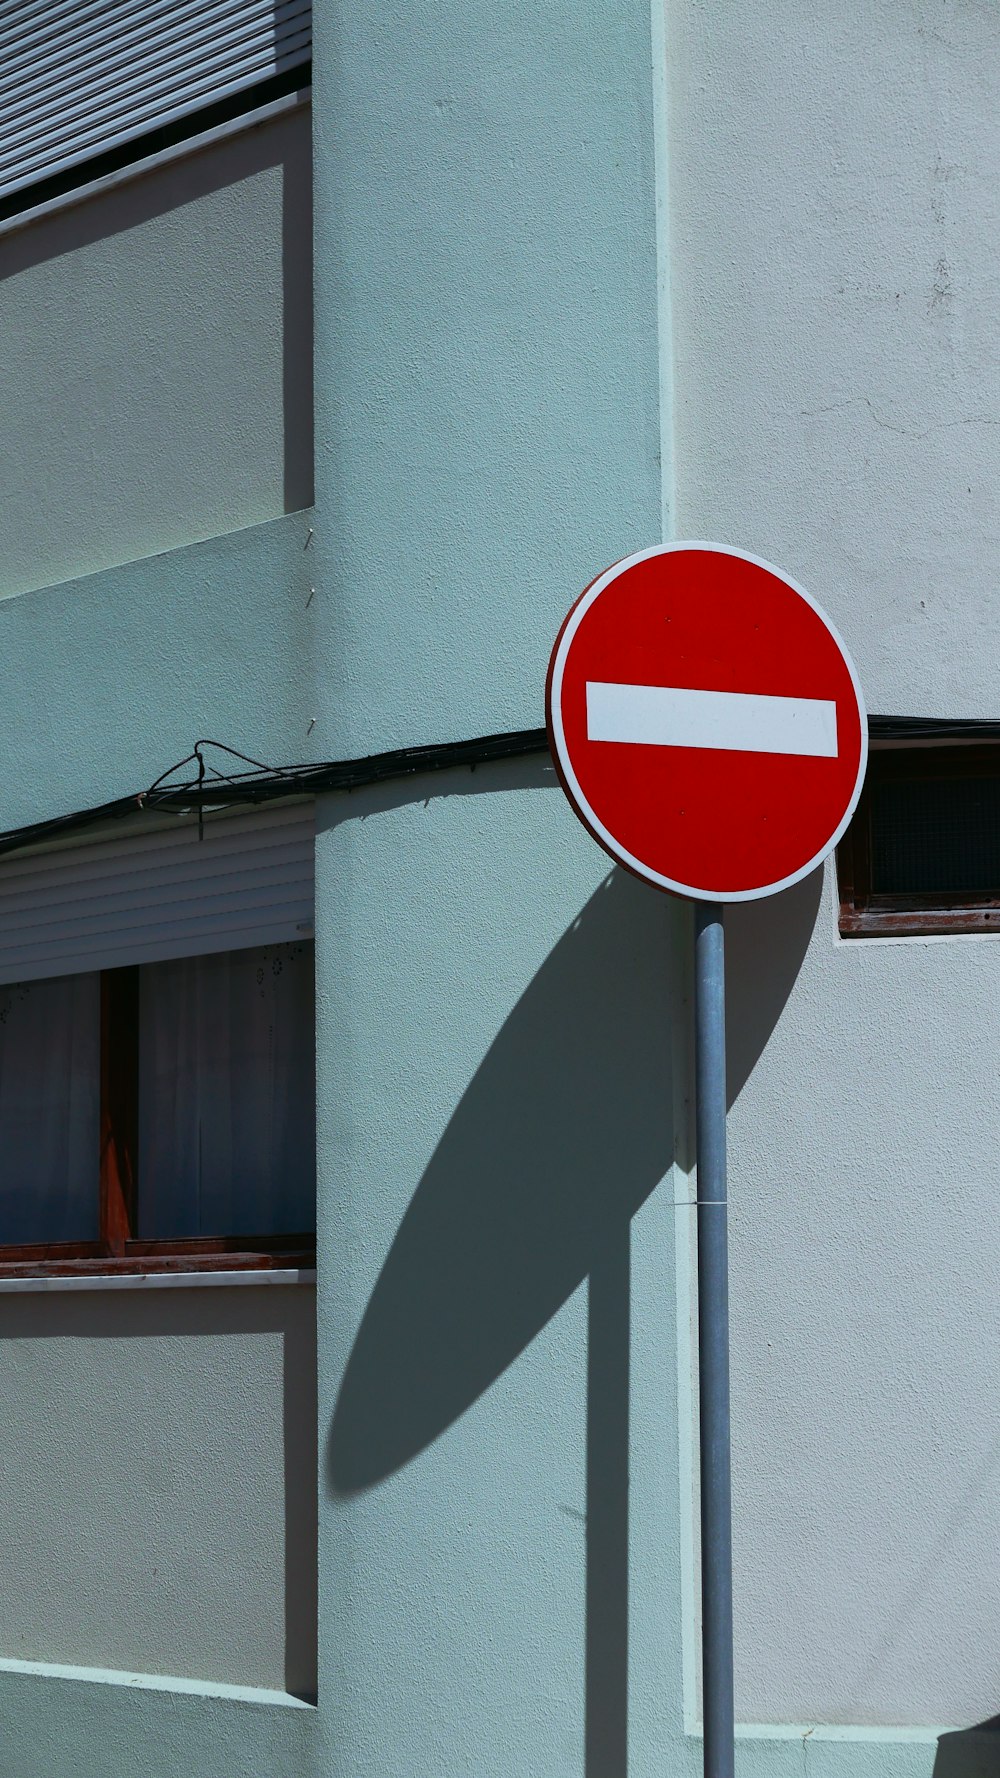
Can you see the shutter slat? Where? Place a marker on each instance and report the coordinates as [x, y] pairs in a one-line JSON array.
[[184, 25], [73, 44], [42, 23], [230, 836], [57, 29], [148, 892], [79, 77], [157, 896], [197, 65], [139, 125]]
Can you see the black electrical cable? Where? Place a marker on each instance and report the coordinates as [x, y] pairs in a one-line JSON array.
[[211, 788], [932, 728]]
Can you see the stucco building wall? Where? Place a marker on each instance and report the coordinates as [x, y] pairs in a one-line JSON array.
[[505, 1419], [157, 1484], [156, 360], [837, 378]]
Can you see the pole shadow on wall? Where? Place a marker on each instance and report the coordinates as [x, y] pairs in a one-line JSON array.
[[563, 1132], [970, 1753]]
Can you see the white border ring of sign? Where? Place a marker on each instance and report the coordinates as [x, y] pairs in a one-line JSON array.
[[592, 820]]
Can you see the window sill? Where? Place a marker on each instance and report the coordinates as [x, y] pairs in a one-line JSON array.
[[941, 922], [153, 1280], [156, 1682], [183, 1257]]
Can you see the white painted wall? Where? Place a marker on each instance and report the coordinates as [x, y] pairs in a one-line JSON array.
[[836, 279], [866, 1339], [835, 189]]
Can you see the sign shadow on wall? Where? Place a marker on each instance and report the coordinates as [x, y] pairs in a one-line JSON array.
[[765, 944], [561, 1135]]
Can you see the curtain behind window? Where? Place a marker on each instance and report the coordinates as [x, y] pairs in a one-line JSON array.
[[227, 1094], [49, 1109]]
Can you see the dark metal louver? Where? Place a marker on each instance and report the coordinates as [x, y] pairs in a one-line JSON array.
[[79, 78]]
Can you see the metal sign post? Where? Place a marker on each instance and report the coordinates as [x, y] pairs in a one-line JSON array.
[[713, 1342], [708, 727]]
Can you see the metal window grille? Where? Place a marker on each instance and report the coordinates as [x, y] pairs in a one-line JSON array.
[[936, 836], [922, 854]]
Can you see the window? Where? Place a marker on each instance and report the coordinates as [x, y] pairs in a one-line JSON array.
[[87, 86], [157, 1095], [922, 854]]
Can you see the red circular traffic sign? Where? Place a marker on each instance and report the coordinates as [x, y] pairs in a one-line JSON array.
[[706, 722]]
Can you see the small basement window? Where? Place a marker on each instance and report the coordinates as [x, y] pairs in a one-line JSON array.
[[922, 854]]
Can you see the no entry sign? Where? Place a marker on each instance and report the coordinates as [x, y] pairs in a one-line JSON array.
[[707, 722], [709, 730]]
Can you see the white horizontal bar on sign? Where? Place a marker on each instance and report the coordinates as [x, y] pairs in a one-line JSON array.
[[731, 721]]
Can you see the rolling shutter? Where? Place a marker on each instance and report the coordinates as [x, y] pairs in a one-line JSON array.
[[80, 77], [249, 881]]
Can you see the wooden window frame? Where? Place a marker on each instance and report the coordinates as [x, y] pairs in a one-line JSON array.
[[118, 1248], [863, 914]]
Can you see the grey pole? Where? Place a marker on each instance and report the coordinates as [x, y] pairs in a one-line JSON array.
[[713, 1344]]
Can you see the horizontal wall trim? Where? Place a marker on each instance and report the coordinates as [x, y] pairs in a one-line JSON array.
[[206, 787], [831, 1731], [158, 1280], [155, 1682]]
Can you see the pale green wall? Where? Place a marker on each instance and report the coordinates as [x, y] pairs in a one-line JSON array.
[[155, 361], [500, 1526], [487, 396], [217, 639], [157, 1495], [494, 1006]]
